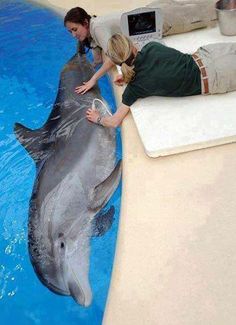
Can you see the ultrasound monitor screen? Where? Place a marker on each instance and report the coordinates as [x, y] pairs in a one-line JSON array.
[[142, 23]]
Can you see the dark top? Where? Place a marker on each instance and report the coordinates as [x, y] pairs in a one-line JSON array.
[[162, 71]]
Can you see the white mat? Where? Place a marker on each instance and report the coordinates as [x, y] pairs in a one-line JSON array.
[[173, 125]]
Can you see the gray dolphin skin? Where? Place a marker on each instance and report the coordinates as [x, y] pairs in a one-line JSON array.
[[76, 175]]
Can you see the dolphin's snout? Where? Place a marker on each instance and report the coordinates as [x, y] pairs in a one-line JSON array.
[[78, 282], [73, 271], [79, 295]]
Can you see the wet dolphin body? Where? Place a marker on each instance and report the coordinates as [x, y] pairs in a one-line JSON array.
[[76, 176]]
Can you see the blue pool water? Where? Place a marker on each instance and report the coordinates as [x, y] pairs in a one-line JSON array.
[[34, 46]]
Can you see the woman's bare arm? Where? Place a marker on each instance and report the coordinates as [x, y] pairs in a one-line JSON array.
[[107, 65], [109, 121]]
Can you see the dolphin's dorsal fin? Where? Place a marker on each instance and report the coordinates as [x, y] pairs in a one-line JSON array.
[[34, 141], [101, 194], [103, 221]]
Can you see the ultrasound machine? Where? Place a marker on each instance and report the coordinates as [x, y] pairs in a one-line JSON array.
[[142, 25]]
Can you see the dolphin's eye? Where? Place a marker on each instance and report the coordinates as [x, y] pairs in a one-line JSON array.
[[62, 245]]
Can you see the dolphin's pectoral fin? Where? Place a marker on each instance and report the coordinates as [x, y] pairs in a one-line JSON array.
[[103, 221], [33, 141], [101, 194]]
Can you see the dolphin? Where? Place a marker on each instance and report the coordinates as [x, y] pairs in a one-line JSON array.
[[76, 174]]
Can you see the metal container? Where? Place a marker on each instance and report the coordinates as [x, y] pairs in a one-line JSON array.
[[226, 11]]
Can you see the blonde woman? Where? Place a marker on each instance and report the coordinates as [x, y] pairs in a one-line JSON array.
[[158, 70]]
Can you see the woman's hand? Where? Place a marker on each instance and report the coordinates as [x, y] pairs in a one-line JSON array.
[[119, 80], [86, 86], [107, 65], [92, 115]]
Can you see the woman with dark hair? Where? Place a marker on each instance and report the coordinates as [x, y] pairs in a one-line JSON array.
[[80, 17], [92, 32]]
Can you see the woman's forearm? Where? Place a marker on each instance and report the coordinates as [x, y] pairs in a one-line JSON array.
[[107, 65], [82, 89], [108, 121], [116, 119]]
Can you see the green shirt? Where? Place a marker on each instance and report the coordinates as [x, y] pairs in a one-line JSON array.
[[162, 71]]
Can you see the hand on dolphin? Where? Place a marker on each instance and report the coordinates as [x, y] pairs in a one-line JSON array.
[[86, 86], [92, 115]]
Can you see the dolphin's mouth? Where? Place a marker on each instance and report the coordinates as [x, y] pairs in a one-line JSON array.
[[51, 286], [55, 289]]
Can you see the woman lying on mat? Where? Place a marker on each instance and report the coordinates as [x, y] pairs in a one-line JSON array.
[[158, 70]]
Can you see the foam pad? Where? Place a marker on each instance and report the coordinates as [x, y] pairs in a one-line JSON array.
[[170, 125]]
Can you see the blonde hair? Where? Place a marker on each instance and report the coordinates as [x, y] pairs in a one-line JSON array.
[[120, 51]]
